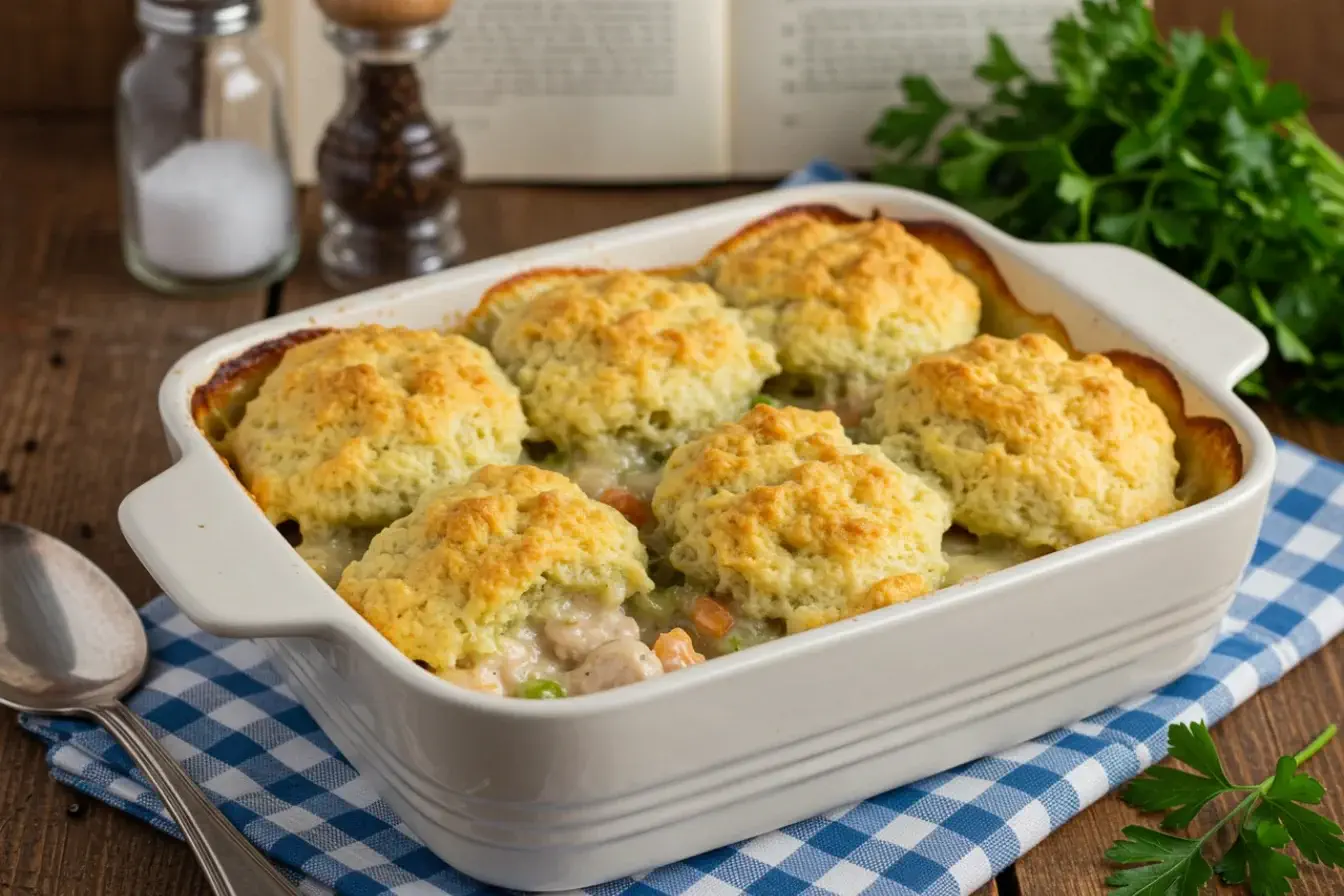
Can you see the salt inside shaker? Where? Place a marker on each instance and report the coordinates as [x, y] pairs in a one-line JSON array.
[[208, 201]]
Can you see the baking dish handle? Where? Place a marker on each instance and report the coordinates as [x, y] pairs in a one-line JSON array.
[[239, 581], [1169, 312]]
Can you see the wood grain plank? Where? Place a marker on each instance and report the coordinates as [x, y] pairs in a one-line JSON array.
[[1300, 38], [82, 345], [63, 55], [1329, 123], [82, 349]]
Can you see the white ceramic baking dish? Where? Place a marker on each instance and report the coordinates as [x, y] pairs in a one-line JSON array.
[[547, 795]]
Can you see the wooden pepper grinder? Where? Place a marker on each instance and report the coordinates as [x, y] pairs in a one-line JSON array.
[[388, 171]]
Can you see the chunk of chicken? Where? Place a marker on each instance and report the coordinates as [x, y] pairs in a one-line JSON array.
[[615, 663], [584, 630]]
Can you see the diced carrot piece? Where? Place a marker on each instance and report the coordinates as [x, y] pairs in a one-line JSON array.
[[624, 500], [710, 617], [675, 650]]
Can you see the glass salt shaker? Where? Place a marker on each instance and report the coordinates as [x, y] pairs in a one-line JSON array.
[[207, 194]]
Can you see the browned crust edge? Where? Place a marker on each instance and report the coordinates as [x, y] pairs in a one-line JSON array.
[[236, 381], [1224, 463], [522, 279], [831, 214], [973, 262], [675, 271]]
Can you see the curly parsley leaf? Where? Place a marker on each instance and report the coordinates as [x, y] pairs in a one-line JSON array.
[[1254, 859], [1002, 67], [1193, 745], [1180, 793], [1166, 864], [1270, 817], [906, 131], [1177, 147], [1286, 800]]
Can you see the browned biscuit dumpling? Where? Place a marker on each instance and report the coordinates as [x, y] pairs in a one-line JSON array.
[[1030, 444]]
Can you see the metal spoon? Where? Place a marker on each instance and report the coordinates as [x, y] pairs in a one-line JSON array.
[[70, 644]]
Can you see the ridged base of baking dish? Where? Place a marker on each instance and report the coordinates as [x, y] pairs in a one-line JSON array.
[[550, 847]]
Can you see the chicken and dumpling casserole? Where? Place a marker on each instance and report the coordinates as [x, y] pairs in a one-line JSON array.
[[605, 476]]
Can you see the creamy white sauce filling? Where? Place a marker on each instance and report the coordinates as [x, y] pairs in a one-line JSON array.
[[851, 397], [969, 557], [610, 464], [330, 551], [586, 648]]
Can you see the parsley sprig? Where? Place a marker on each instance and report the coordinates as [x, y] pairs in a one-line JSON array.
[[1180, 148], [1269, 816]]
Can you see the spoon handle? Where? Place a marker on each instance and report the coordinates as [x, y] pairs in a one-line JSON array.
[[232, 865]]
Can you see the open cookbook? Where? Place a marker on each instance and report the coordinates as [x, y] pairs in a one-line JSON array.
[[649, 90]]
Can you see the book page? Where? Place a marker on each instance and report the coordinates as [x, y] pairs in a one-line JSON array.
[[810, 77], [592, 90]]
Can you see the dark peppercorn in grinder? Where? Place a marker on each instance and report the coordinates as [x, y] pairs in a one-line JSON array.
[[388, 171]]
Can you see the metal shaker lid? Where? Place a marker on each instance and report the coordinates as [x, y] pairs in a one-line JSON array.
[[197, 18]]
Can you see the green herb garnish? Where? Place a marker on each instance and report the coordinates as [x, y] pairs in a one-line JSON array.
[[541, 689], [1269, 816], [1179, 148], [762, 398]]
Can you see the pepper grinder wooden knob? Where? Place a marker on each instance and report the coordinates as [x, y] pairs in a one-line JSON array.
[[388, 172]]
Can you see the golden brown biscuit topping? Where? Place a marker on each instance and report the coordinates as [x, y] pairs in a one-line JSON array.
[[1032, 444], [352, 426], [474, 561]]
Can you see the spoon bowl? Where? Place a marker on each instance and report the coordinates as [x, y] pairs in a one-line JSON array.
[[69, 639], [71, 644]]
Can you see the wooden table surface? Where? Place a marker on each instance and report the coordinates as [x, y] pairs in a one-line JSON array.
[[82, 349]]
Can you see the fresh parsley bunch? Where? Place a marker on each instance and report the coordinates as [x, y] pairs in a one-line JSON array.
[[1268, 816], [1181, 149]]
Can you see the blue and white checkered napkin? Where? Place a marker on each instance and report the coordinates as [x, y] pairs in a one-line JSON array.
[[221, 711]]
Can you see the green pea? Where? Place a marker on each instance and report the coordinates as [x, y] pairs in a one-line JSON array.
[[541, 689], [762, 398]]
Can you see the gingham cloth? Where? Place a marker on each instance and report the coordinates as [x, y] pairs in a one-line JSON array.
[[221, 711]]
